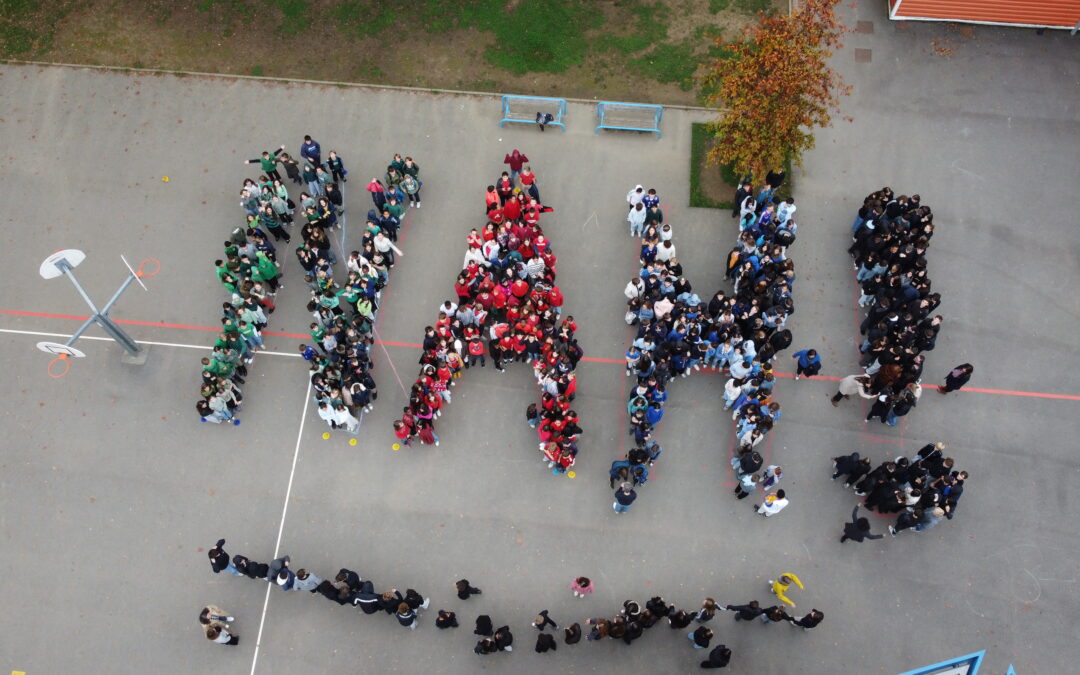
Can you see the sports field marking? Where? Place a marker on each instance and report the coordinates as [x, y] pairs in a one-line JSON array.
[[414, 345], [204, 348], [281, 527]]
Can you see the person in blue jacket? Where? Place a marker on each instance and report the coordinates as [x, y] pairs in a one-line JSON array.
[[809, 363], [654, 413], [311, 151]]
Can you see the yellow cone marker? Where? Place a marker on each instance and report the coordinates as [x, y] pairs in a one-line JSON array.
[[352, 441], [570, 474], [326, 435], [395, 447], [164, 179]]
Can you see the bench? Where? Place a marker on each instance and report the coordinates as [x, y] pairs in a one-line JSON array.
[[629, 116], [523, 109]]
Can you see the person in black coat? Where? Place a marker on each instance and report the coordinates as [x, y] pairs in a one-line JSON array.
[[858, 529], [852, 466], [680, 619], [415, 600], [366, 599], [545, 642], [485, 646], [747, 612], [219, 559], [464, 590], [573, 634], [718, 657], [957, 378], [405, 615], [775, 178], [330, 592], [744, 191], [504, 639], [349, 577], [250, 568], [810, 620], [633, 632], [658, 607], [484, 625], [389, 601], [774, 614], [542, 621], [701, 637], [446, 619]]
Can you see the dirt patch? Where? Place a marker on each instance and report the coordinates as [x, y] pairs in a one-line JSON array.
[[245, 37]]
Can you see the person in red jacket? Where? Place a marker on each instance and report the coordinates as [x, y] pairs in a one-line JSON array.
[[520, 288], [403, 432], [555, 299], [476, 353], [512, 209], [516, 160]]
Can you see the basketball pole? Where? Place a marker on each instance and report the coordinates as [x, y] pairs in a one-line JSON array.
[[135, 354]]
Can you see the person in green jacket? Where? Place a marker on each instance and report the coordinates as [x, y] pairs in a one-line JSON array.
[[266, 271], [395, 209], [269, 162]]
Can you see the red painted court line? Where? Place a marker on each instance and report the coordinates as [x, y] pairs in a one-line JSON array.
[[592, 359], [879, 439]]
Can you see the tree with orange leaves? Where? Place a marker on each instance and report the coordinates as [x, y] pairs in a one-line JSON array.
[[775, 88]]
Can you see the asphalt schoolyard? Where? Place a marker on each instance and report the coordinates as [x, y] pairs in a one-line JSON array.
[[112, 491]]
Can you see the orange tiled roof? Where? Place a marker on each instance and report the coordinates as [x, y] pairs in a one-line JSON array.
[[1064, 13]]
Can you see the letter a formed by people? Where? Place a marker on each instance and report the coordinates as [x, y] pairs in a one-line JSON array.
[[508, 307]]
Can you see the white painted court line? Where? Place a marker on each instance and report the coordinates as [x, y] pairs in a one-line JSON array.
[[281, 527], [142, 342]]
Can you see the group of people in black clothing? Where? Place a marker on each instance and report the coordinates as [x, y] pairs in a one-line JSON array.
[[922, 490], [890, 237], [347, 588]]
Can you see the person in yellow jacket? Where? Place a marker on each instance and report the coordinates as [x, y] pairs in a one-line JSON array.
[[780, 586]]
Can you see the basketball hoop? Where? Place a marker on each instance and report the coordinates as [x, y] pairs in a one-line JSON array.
[[63, 358], [64, 354], [143, 274]]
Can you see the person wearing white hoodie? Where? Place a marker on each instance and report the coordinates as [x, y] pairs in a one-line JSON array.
[[635, 196], [636, 217], [384, 246]]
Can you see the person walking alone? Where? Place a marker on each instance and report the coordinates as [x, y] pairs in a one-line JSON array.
[[957, 378]]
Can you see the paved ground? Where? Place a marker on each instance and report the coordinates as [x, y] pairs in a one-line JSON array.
[[110, 493]]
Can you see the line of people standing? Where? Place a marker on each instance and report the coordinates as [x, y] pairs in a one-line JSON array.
[[250, 272], [346, 588], [508, 306], [890, 237], [345, 310]]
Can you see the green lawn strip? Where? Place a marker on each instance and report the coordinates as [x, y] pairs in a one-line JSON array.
[[701, 141]]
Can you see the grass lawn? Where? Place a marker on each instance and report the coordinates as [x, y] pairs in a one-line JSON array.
[[633, 50]]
